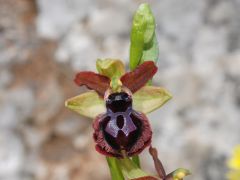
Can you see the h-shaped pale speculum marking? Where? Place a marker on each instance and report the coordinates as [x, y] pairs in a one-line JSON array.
[[128, 125]]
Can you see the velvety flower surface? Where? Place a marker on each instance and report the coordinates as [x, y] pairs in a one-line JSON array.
[[122, 129], [117, 104]]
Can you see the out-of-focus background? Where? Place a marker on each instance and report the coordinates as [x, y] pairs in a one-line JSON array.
[[43, 43]]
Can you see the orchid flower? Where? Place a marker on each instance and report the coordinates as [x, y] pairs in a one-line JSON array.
[[118, 102]]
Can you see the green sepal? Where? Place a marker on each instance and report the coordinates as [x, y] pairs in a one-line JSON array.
[[150, 98], [112, 68], [88, 104]]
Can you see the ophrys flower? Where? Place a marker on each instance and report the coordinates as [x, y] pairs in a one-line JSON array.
[[118, 103]]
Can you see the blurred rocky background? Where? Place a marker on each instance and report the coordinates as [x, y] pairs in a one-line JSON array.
[[43, 43]]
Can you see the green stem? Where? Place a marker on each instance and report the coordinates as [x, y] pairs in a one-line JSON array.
[[130, 169], [136, 160], [114, 167]]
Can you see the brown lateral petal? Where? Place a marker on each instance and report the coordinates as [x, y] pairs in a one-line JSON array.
[[146, 178], [157, 163], [94, 81], [137, 78]]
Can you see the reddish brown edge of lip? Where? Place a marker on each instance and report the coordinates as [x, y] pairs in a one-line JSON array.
[[104, 148]]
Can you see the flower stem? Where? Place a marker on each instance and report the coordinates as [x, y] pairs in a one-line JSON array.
[[136, 160], [114, 167]]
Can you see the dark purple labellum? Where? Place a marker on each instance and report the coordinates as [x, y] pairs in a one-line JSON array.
[[121, 127]]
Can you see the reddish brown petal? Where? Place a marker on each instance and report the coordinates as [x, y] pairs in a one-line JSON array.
[[157, 163], [137, 78], [146, 178], [94, 81]]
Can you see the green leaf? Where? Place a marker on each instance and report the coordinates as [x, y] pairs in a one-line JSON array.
[[150, 98], [131, 170], [115, 170], [88, 104], [136, 46], [151, 53], [142, 33], [148, 22]]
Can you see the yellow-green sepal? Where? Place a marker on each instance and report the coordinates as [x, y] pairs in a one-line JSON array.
[[150, 98], [112, 68], [88, 104]]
